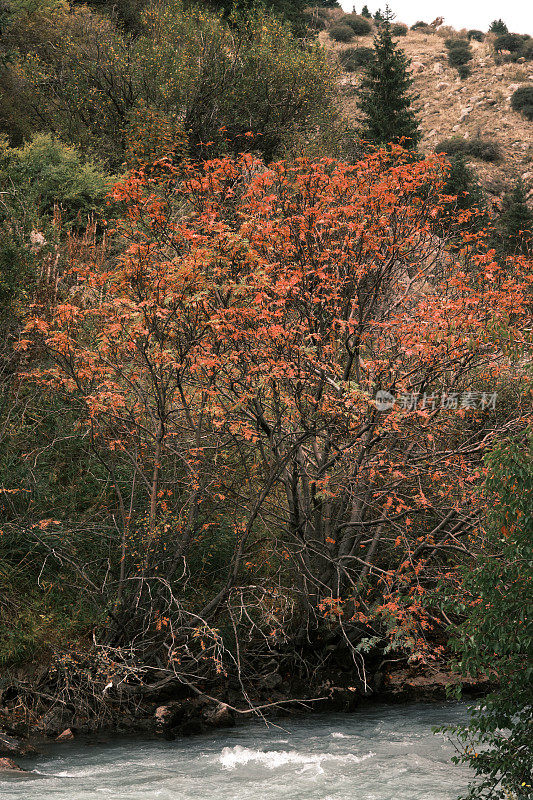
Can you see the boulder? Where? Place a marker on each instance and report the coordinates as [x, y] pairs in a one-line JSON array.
[[66, 736], [11, 746], [438, 68], [8, 765], [219, 716]]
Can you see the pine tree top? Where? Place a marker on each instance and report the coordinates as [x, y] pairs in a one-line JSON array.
[[385, 96]]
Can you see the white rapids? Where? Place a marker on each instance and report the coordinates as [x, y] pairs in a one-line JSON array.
[[378, 753]]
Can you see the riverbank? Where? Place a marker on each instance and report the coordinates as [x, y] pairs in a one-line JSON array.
[[169, 710]]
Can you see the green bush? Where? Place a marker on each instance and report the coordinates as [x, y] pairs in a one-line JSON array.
[[459, 52], [464, 71], [477, 36], [522, 101], [314, 21], [498, 27], [341, 33], [509, 41], [484, 149], [355, 57], [456, 43], [399, 29], [47, 173], [527, 49], [359, 25], [420, 24]]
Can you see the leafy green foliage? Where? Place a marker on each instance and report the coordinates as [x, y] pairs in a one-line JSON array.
[[508, 41], [354, 58], [475, 35], [385, 97], [341, 33], [46, 173], [522, 101], [478, 147], [360, 25], [496, 637], [78, 74], [498, 27], [462, 182], [459, 52], [514, 228], [399, 29]]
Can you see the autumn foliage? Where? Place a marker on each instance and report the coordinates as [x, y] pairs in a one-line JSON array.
[[226, 363]]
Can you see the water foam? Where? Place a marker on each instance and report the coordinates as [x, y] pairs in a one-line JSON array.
[[231, 757]]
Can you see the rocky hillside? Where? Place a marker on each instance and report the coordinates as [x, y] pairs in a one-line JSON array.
[[478, 106]]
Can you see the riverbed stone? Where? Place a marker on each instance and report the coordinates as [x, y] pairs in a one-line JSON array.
[[66, 736], [8, 765], [11, 746]]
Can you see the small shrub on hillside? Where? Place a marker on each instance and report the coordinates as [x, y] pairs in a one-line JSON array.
[[498, 27], [464, 71], [314, 21], [527, 49], [522, 101], [509, 41], [477, 36], [484, 149], [419, 25], [456, 43], [457, 57], [399, 29], [359, 25], [355, 57], [341, 33]]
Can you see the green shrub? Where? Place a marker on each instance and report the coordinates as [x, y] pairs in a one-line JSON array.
[[477, 36], [464, 71], [48, 173], [399, 29], [498, 27], [456, 43], [509, 41], [420, 24], [314, 21], [484, 149], [355, 57], [359, 25], [527, 49], [459, 51], [522, 101], [341, 33]]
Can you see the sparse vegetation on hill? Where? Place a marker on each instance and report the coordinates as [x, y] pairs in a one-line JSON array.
[[522, 101], [484, 149]]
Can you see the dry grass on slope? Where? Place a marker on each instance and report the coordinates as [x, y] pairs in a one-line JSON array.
[[477, 106]]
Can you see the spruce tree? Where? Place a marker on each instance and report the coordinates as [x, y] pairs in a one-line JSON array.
[[515, 225], [384, 96], [366, 13]]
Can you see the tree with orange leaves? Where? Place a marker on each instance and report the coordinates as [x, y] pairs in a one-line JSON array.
[[299, 354]]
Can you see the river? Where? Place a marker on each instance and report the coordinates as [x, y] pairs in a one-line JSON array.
[[376, 753]]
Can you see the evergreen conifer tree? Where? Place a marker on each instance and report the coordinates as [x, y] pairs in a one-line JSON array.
[[384, 96], [515, 226], [366, 13]]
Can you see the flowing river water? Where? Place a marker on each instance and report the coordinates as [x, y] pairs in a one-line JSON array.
[[377, 753]]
